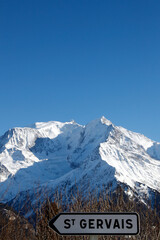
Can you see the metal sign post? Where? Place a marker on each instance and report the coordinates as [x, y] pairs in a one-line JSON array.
[[93, 237], [95, 224]]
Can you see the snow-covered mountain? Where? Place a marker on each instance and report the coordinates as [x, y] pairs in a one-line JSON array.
[[52, 155]]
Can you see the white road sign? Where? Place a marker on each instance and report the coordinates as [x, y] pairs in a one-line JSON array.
[[95, 224]]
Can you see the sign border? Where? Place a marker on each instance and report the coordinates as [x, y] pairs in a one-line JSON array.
[[94, 213]]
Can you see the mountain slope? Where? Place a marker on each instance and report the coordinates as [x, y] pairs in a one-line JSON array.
[[47, 156]]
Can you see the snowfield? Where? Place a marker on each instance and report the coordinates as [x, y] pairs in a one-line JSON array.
[[55, 155]]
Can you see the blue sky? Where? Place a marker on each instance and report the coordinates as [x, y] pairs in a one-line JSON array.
[[63, 60]]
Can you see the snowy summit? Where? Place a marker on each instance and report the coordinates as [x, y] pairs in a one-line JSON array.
[[55, 155]]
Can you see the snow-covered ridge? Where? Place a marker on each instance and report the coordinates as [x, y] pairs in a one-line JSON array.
[[54, 154]]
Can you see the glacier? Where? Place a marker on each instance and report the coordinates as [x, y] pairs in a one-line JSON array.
[[47, 156]]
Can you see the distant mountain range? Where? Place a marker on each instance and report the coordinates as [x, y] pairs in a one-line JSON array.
[[55, 155]]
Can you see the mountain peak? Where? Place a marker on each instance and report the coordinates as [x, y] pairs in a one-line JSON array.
[[55, 153], [100, 121], [105, 121]]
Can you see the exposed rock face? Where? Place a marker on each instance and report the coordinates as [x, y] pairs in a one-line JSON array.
[[47, 156]]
